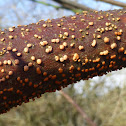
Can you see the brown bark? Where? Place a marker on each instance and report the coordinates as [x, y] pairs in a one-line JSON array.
[[49, 55]]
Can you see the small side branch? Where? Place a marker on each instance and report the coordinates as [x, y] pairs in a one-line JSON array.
[[113, 2], [73, 5], [67, 4], [84, 115]]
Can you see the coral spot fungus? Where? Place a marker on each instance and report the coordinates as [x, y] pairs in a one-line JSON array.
[[48, 55]]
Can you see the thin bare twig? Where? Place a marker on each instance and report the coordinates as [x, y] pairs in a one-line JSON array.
[[72, 5], [44, 3], [67, 4], [113, 2], [84, 115]]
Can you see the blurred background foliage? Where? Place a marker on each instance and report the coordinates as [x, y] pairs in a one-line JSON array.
[[103, 99]]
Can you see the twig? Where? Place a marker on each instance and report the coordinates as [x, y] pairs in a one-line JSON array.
[[84, 115], [47, 4], [67, 4], [71, 4], [113, 2]]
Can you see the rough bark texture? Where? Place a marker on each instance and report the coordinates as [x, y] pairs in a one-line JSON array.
[[48, 55]]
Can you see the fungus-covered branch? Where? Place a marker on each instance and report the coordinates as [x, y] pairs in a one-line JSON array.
[[49, 55]]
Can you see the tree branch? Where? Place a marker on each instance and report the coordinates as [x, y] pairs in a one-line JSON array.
[[84, 115], [48, 55], [47, 4], [113, 2], [72, 5]]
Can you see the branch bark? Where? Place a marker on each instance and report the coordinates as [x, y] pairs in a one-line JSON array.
[[79, 109], [113, 2], [48, 55]]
